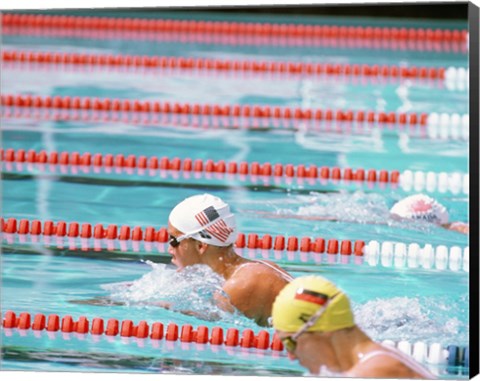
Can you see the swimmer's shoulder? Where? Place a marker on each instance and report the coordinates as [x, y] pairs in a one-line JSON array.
[[390, 363], [261, 274], [256, 268], [384, 367], [246, 273]]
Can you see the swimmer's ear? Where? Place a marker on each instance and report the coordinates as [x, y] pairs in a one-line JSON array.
[[202, 247]]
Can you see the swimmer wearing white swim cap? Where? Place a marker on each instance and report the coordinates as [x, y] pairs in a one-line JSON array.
[[203, 230], [415, 207], [423, 207]]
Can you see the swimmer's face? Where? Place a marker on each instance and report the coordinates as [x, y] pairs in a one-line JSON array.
[[186, 253], [312, 350]]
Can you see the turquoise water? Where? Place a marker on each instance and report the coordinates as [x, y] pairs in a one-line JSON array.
[[390, 304]]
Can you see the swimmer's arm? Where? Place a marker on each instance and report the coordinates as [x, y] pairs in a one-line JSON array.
[[162, 304], [98, 301], [107, 302], [313, 218], [223, 302], [208, 316], [460, 227], [241, 294], [294, 216]]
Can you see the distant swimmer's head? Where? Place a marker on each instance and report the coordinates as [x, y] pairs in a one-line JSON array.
[[420, 207], [311, 299], [205, 218]]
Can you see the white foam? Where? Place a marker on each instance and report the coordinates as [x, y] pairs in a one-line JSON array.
[[358, 206], [410, 319], [161, 284]]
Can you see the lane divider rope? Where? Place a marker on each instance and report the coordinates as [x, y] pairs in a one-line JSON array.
[[433, 125], [198, 165], [216, 178], [455, 182], [434, 353], [440, 79], [400, 255], [452, 126], [237, 33], [126, 105], [448, 126], [385, 254], [150, 234], [227, 27], [327, 125], [60, 59], [442, 182], [230, 337], [450, 47]]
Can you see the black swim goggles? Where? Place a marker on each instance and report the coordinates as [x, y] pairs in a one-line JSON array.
[[176, 241]]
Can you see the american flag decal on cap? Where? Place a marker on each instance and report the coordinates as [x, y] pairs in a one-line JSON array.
[[218, 229]]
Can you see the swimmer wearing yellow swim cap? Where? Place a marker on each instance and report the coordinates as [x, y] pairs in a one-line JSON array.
[[315, 322]]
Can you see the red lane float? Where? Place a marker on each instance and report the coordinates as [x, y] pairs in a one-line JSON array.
[[253, 174], [49, 228], [116, 108], [456, 47], [218, 336], [236, 33], [225, 65], [360, 127], [229, 27], [198, 165]]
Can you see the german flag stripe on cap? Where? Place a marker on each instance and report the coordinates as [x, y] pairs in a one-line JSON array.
[[311, 296]]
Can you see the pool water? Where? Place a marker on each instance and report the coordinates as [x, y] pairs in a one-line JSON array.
[[411, 304]]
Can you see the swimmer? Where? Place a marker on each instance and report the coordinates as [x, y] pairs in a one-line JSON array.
[[423, 207], [203, 230], [415, 207], [314, 321]]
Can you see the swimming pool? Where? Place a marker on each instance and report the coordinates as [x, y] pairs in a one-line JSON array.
[[98, 150]]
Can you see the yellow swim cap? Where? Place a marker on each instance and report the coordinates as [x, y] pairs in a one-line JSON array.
[[302, 297]]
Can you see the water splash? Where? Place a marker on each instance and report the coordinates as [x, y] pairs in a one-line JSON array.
[[412, 319], [191, 289], [357, 207], [163, 284], [331, 204]]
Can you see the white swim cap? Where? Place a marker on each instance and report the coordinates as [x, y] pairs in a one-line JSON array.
[[205, 218], [421, 207]]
